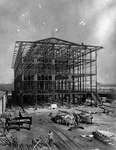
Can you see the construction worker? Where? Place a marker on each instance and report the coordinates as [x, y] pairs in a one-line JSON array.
[[7, 122], [14, 143], [20, 115], [76, 118], [50, 138]]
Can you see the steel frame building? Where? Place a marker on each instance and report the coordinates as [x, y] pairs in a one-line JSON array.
[[54, 69]]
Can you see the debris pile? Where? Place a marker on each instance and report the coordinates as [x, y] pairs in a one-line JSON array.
[[64, 117], [5, 140], [85, 117], [15, 118]]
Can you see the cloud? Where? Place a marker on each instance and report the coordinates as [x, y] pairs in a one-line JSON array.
[[105, 26]]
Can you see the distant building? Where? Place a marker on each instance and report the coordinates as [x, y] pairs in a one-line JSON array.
[[107, 87]]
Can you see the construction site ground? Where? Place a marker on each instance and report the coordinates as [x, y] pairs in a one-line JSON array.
[[41, 124]]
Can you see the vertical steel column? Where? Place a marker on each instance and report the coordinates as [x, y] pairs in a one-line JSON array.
[[62, 89], [73, 67], [35, 80], [90, 71], [69, 77], [80, 75], [53, 88], [53, 75], [62, 76], [96, 68], [22, 80], [85, 70], [91, 74]]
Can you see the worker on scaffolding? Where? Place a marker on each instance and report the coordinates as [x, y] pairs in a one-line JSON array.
[[50, 138]]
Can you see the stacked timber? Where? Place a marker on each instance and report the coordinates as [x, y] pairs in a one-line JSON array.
[[105, 137]]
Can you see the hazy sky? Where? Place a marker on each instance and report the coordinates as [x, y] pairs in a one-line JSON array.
[[89, 21]]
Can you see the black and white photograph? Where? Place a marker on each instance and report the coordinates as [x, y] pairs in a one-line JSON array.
[[57, 74]]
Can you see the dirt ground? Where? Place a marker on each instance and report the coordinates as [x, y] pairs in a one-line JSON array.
[[39, 128]]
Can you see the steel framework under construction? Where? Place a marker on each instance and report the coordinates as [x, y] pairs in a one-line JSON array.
[[54, 69]]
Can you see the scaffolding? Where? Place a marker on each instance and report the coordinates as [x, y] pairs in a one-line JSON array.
[[54, 69]]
